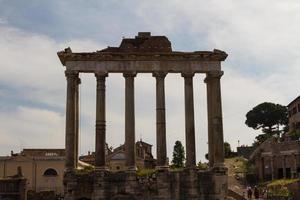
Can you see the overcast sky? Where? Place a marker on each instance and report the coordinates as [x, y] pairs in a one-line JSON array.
[[261, 37]]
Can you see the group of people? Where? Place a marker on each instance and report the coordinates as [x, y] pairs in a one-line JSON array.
[[254, 192]]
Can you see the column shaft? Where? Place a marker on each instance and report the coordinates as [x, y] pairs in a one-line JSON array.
[[160, 120], [216, 118], [262, 168], [295, 175], [189, 120], [284, 166], [209, 124], [272, 167], [76, 121], [72, 78], [100, 122], [129, 121]]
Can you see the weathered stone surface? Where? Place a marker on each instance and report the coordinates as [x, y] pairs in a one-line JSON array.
[[147, 54], [163, 185]]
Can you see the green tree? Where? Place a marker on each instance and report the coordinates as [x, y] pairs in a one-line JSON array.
[[261, 138], [178, 155], [271, 118], [202, 166], [227, 150]]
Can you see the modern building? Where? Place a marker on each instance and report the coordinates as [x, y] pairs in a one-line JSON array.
[[276, 160], [116, 159], [294, 114], [42, 168]]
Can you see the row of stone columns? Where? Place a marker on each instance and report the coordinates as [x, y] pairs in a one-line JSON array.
[[283, 165], [214, 110]]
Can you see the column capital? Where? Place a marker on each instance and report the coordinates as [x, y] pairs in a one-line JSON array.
[[78, 80], [101, 74], [159, 74], [187, 74], [129, 74], [214, 74], [71, 74]]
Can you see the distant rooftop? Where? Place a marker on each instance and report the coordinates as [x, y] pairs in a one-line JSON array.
[[296, 99], [43, 152]]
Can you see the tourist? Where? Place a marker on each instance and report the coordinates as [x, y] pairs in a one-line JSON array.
[[256, 193], [249, 192]]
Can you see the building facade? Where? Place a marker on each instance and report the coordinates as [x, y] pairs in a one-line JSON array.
[[43, 169], [276, 160], [294, 114], [116, 158]]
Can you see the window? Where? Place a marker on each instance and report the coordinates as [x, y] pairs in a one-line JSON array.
[[294, 110], [50, 172]]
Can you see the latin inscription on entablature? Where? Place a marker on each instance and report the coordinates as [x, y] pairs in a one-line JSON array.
[[144, 66]]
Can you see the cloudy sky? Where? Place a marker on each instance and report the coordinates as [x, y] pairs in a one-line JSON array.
[[262, 39]]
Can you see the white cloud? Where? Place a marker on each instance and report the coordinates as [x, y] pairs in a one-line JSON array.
[[31, 128], [2, 21]]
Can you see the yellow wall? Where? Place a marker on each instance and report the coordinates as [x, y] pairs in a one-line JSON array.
[[33, 171]]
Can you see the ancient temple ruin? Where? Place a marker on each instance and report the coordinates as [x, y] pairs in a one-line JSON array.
[[146, 54]]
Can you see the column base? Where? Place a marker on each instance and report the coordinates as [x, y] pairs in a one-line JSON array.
[[194, 167], [132, 169], [219, 165], [220, 168], [162, 168], [102, 168], [69, 170]]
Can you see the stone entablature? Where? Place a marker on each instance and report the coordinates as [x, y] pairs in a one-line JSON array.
[[198, 62]]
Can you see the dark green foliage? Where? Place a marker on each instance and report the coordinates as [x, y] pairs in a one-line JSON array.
[[227, 150], [269, 117], [206, 156], [202, 166], [178, 155], [261, 138], [295, 135]]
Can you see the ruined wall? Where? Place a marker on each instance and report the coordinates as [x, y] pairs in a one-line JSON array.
[[186, 184]]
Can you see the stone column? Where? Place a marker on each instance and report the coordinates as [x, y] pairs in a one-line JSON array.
[[209, 123], [262, 168], [216, 122], [272, 167], [284, 166], [129, 121], [72, 79], [294, 172], [160, 121], [189, 120], [77, 121], [100, 122], [296, 165]]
